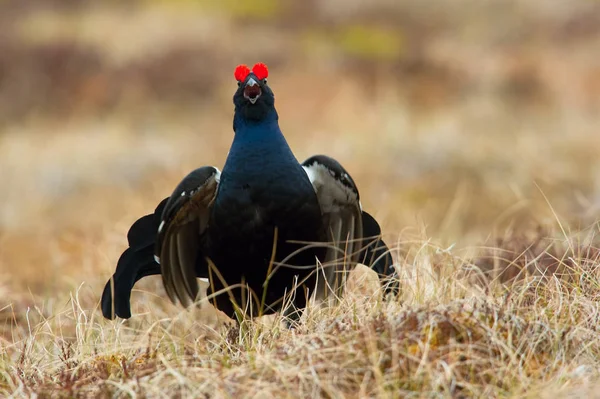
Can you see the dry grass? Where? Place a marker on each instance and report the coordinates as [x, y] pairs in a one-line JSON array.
[[473, 137], [444, 337]]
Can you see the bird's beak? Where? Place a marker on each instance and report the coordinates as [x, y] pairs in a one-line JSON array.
[[252, 90]]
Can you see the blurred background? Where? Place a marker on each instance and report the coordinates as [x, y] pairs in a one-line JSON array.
[[459, 120]]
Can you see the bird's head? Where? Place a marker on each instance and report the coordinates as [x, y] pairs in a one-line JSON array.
[[253, 99]]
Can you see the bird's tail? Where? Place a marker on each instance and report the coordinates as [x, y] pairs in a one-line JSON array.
[[377, 256], [135, 262]]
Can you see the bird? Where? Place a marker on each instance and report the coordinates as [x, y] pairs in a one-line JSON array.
[[263, 229]]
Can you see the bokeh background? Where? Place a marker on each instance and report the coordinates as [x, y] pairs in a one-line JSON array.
[[459, 120]]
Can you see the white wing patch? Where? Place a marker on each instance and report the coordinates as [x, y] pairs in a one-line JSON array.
[[331, 192]]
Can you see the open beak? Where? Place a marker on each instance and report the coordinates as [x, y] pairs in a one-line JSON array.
[[252, 90]]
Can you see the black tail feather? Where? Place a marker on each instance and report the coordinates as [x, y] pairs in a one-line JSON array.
[[136, 262], [377, 256], [132, 266]]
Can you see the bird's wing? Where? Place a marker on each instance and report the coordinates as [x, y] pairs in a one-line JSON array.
[[135, 262], [340, 206], [183, 223]]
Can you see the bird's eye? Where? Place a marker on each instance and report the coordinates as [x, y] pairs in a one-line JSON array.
[[239, 84], [265, 81]]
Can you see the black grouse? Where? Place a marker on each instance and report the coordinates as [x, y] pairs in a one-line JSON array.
[[259, 229]]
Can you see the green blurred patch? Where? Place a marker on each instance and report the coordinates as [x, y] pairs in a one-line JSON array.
[[260, 9], [263, 9], [370, 42], [361, 41]]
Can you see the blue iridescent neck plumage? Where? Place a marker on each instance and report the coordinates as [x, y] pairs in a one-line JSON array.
[[257, 144], [242, 122]]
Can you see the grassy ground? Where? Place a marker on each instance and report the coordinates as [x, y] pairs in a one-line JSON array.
[[472, 132]]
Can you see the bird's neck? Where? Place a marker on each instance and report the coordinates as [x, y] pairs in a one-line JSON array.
[[265, 119], [258, 145]]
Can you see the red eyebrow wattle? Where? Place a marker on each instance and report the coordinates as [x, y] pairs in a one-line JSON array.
[[241, 72], [260, 70]]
